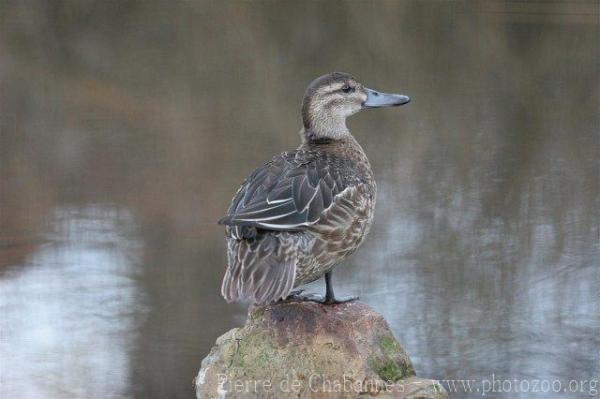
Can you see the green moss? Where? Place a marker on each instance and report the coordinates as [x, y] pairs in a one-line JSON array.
[[267, 356], [390, 366], [389, 345], [257, 314], [408, 370], [254, 351], [388, 370]]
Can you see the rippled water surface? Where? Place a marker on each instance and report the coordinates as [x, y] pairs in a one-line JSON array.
[[127, 127]]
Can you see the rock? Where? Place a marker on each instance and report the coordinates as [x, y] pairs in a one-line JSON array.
[[308, 350]]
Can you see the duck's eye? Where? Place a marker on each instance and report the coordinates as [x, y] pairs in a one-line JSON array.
[[348, 89]]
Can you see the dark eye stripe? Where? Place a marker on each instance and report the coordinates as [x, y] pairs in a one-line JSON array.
[[348, 89]]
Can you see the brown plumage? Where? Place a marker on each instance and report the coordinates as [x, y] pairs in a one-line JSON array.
[[300, 214]]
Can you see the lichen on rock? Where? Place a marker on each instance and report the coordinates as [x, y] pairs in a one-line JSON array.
[[308, 350]]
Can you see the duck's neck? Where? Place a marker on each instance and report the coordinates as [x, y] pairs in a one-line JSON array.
[[346, 143], [326, 127], [346, 148]]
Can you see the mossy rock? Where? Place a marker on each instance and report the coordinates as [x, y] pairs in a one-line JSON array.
[[308, 350]]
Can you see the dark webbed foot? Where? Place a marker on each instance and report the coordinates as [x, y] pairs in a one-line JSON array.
[[335, 301], [299, 296], [295, 293], [328, 299]]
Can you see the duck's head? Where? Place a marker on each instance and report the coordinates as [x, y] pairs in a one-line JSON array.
[[331, 98]]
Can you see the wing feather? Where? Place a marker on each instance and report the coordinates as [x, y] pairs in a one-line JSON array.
[[291, 192], [261, 272]]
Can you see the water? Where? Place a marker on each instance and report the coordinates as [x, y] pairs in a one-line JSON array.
[[126, 128]]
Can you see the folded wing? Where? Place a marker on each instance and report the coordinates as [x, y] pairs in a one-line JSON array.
[[287, 194]]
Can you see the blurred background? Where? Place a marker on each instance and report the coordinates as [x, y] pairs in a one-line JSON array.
[[126, 128]]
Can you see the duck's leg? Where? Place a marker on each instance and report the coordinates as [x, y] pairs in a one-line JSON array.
[[329, 299], [330, 296]]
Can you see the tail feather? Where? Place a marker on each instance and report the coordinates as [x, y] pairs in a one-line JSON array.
[[261, 270]]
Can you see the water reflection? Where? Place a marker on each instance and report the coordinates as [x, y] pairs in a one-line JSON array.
[[126, 127], [70, 314]]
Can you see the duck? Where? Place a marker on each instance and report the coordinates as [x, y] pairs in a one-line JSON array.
[[303, 212]]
